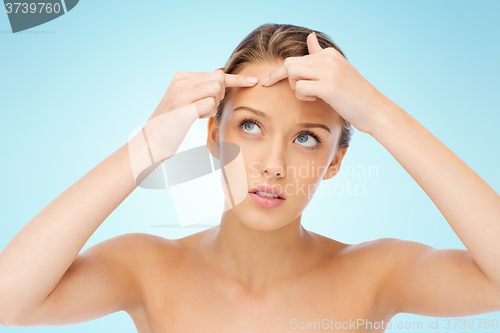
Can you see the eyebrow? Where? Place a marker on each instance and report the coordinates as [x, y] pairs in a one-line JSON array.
[[266, 116], [257, 112]]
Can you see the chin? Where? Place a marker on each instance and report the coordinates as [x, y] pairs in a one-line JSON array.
[[260, 220]]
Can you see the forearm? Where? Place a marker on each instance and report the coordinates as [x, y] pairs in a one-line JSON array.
[[36, 258], [467, 202]]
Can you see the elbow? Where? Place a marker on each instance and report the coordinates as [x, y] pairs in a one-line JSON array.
[[7, 322], [8, 319]]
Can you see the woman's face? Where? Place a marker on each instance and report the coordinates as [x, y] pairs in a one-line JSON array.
[[280, 147]]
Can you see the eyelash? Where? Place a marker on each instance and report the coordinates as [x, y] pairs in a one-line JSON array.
[[315, 136]]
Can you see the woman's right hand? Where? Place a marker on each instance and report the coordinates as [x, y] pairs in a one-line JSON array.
[[43, 278], [190, 96]]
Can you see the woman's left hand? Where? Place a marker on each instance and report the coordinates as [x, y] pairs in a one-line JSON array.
[[325, 73]]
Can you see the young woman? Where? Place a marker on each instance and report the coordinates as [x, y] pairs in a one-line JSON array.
[[260, 270]]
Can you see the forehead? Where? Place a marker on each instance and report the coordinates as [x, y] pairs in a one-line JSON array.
[[279, 100]]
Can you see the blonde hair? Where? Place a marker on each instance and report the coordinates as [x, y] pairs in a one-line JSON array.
[[271, 43]]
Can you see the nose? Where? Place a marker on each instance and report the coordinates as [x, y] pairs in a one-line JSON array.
[[273, 164]]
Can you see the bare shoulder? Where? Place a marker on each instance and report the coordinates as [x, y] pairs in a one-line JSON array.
[[146, 241], [365, 249], [143, 250], [138, 253], [379, 258], [380, 248], [144, 256], [388, 250], [105, 278], [375, 257], [424, 280], [369, 265], [382, 252]]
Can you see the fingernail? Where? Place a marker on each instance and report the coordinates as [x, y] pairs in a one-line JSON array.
[[222, 68], [265, 80], [251, 79]]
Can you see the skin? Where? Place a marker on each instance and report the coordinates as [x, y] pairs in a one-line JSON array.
[[260, 269]]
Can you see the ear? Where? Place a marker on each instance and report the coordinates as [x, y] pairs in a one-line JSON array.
[[213, 138], [334, 167]]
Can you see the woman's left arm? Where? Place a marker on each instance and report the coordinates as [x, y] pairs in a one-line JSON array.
[[441, 282], [420, 279], [467, 202]]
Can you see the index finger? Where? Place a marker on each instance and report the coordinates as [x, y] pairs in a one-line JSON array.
[[276, 75], [237, 80]]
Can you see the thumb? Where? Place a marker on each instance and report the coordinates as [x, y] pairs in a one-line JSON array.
[[313, 44]]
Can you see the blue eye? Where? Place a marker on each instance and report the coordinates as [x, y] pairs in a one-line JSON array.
[[249, 126], [307, 139]]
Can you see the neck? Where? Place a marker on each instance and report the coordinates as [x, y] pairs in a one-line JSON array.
[[260, 258]]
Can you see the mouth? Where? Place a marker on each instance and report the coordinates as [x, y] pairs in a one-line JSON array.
[[266, 200], [267, 195]]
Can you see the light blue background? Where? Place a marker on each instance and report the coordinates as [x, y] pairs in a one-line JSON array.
[[73, 89]]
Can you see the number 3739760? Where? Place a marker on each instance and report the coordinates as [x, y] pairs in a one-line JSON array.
[[32, 8]]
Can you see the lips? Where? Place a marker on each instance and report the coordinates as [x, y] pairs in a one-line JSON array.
[[268, 189], [265, 201]]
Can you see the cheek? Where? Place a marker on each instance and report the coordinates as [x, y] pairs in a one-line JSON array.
[[231, 134], [307, 170], [252, 166], [247, 147], [305, 176]]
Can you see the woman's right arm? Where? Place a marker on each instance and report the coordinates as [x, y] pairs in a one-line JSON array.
[[33, 262], [43, 278]]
